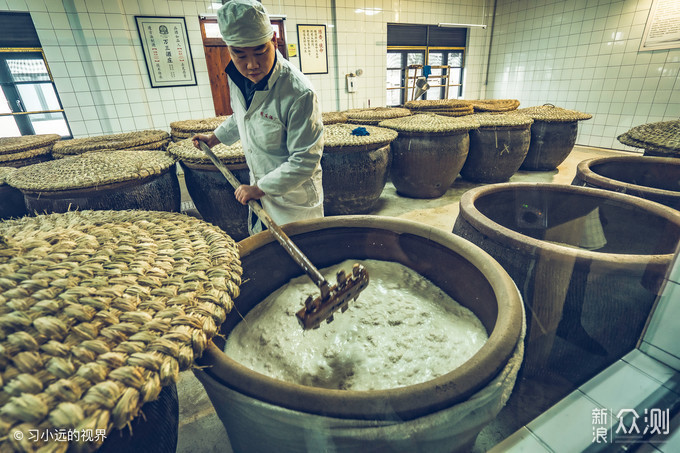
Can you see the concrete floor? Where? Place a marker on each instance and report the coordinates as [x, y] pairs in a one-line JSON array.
[[201, 431]]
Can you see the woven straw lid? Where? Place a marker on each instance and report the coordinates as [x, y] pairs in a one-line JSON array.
[[463, 112], [376, 115], [514, 120], [4, 172], [430, 123], [90, 170], [333, 118], [551, 114], [16, 145], [8, 159], [663, 136], [339, 137], [138, 140], [101, 309], [438, 104], [495, 105], [195, 126], [185, 151]]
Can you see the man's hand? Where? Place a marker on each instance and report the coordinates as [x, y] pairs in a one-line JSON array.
[[210, 140], [246, 192]]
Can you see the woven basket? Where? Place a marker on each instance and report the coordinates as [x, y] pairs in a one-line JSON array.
[[339, 137], [129, 140], [661, 137], [98, 311], [94, 169], [333, 118], [551, 114], [180, 130], [375, 115], [185, 151], [495, 105], [430, 123]]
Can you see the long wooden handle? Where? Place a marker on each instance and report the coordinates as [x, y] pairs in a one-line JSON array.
[[276, 230]]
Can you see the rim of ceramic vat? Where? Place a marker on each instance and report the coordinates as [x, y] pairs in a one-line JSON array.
[[209, 166], [587, 174], [527, 244], [407, 402]]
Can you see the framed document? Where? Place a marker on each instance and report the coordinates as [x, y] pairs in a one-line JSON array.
[[167, 54], [312, 48], [662, 30]]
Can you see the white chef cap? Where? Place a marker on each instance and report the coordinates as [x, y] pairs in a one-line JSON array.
[[244, 23]]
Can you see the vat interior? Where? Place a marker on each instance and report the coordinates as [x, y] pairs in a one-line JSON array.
[[645, 174], [567, 218], [267, 268]]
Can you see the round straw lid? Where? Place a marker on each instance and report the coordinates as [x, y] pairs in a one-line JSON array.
[[551, 114], [439, 104], [339, 137], [196, 126], [663, 136], [495, 105], [4, 172], [101, 309], [333, 118], [374, 116], [511, 119], [430, 123], [17, 145], [185, 151], [127, 140], [90, 170]]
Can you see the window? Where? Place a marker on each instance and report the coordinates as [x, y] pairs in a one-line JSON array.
[[29, 103], [410, 47]]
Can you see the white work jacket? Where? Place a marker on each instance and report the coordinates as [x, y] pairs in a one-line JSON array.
[[282, 138]]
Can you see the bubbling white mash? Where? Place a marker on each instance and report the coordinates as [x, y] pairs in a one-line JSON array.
[[402, 330]]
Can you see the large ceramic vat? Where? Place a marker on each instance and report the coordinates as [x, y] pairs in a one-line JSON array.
[[653, 178], [497, 148], [444, 414], [589, 264], [116, 180], [210, 191], [355, 167], [553, 136], [428, 153]]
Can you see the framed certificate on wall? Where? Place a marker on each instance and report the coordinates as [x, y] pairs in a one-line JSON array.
[[313, 49], [167, 54]]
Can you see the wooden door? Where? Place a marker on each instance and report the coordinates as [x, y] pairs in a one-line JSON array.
[[217, 58]]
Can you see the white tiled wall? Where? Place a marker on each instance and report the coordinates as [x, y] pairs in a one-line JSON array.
[[583, 55], [575, 54], [93, 50]]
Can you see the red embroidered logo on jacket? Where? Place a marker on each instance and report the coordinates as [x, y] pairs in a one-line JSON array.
[[264, 115]]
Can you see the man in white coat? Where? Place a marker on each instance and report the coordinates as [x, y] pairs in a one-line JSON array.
[[276, 115]]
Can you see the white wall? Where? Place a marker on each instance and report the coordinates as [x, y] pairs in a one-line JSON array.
[[583, 55], [93, 50]]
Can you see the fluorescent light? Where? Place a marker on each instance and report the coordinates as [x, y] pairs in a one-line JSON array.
[[447, 25]]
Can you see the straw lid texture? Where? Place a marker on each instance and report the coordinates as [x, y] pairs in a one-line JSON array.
[[339, 137], [90, 170], [333, 118], [185, 151], [438, 104], [551, 114], [4, 172], [195, 126], [15, 145], [511, 119], [98, 311], [25, 155], [126, 140], [375, 115], [495, 105], [663, 136], [430, 123]]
